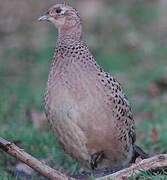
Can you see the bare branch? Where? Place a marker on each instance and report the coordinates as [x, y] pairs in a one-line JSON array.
[[153, 163], [35, 164]]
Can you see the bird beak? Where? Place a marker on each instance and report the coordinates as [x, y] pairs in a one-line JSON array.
[[44, 18]]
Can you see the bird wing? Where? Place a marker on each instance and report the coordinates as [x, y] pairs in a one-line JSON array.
[[121, 109]]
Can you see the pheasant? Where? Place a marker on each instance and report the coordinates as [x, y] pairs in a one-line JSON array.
[[85, 106]]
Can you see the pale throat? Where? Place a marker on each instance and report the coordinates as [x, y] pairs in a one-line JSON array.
[[73, 33]]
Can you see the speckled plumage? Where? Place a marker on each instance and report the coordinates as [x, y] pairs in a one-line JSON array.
[[85, 106]]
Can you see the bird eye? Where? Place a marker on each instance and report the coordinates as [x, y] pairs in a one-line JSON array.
[[58, 11]]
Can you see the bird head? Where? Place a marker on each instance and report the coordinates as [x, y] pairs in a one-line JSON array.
[[62, 16]]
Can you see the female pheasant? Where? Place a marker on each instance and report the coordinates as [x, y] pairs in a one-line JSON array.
[[85, 106]]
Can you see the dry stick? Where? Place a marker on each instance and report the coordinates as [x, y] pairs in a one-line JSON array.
[[153, 163], [35, 164]]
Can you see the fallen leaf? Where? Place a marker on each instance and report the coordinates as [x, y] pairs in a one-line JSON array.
[[157, 87], [154, 135], [153, 89], [38, 119]]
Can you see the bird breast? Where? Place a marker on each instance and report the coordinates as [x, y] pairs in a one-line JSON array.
[[77, 112]]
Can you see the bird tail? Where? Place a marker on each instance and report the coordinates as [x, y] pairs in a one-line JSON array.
[[138, 152]]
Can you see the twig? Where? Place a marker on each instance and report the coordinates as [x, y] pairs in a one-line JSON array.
[[153, 163], [35, 164]]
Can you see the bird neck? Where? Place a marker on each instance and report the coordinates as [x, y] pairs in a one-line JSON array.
[[68, 35]]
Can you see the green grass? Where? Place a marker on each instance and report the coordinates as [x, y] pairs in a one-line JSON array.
[[150, 176]]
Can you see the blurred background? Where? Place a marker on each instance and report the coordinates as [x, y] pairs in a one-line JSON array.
[[128, 38]]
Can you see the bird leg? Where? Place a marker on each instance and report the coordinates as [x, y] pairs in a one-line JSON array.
[[96, 158], [138, 152]]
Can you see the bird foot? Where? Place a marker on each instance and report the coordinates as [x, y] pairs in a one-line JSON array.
[[138, 152], [96, 158]]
